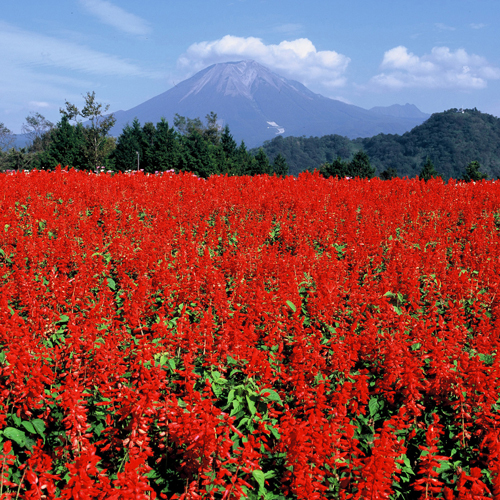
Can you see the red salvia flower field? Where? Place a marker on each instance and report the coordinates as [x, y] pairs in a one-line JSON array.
[[171, 337]]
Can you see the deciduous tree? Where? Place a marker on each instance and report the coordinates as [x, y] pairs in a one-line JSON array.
[[95, 130], [6, 138], [37, 130]]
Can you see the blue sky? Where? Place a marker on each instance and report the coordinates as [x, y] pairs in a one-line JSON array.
[[435, 54]]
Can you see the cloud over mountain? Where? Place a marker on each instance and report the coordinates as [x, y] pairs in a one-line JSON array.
[[297, 59]]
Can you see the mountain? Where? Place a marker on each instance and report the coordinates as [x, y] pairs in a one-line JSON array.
[[451, 139], [258, 104], [396, 110]]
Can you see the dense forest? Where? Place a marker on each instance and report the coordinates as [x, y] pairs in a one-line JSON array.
[[451, 140], [453, 144], [81, 139]]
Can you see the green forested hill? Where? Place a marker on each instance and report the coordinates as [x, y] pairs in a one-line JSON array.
[[302, 153], [451, 139]]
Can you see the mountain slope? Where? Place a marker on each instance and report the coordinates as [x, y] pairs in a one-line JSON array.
[[451, 139], [258, 104]]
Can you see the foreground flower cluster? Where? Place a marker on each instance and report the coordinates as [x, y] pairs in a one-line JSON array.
[[162, 337]]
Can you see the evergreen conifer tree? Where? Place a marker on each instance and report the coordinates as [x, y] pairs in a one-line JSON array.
[[261, 164], [472, 172], [428, 171], [280, 166], [228, 143], [165, 152], [197, 156], [228, 153], [66, 146], [360, 166], [243, 161], [337, 168], [388, 174], [129, 143]]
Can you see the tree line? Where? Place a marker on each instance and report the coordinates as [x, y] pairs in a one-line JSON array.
[[81, 139], [360, 167]]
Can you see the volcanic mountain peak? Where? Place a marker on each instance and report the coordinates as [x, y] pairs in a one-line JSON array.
[[240, 78], [257, 104]]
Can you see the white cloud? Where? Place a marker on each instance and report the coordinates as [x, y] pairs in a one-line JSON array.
[[478, 26], [297, 59], [444, 27], [115, 16], [288, 28], [39, 104], [21, 48], [442, 68]]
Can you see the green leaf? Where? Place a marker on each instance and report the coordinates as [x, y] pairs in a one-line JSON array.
[[260, 477], [63, 319], [251, 405], [29, 427], [243, 422], [236, 408], [270, 395], [39, 426], [98, 429], [112, 284], [373, 406], [275, 432], [291, 305], [444, 465], [15, 435]]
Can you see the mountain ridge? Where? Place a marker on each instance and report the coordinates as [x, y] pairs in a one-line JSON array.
[[247, 96]]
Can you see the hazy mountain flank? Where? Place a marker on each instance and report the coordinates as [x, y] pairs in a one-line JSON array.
[[258, 104]]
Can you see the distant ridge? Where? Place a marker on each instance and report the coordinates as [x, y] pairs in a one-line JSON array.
[[258, 104], [397, 110]]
